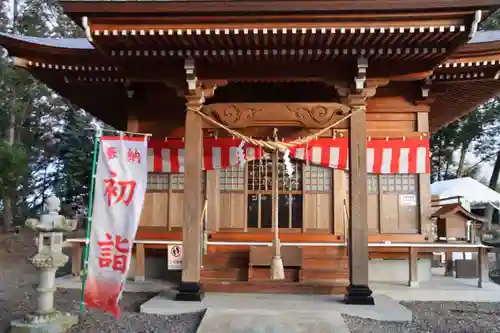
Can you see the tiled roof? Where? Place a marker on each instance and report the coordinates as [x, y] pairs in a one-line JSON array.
[[83, 43], [67, 43], [455, 208], [485, 36]]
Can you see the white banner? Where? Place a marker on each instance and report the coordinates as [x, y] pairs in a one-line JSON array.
[[120, 186]]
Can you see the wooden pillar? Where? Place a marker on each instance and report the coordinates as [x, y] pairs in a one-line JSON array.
[[412, 267], [140, 263], [448, 265], [482, 266], [76, 259], [424, 187], [358, 291], [189, 289]]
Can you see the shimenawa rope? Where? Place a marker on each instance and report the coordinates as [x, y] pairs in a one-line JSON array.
[[273, 145]]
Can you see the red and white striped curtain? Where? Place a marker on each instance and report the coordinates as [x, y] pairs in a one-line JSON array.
[[390, 156]]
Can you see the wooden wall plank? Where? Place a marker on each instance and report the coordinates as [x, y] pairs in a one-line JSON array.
[[396, 126], [317, 211], [213, 198], [155, 210], [232, 207], [310, 212], [339, 194], [325, 218], [373, 216], [393, 104], [176, 212]]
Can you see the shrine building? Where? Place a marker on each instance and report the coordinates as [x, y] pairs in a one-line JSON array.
[[362, 84]]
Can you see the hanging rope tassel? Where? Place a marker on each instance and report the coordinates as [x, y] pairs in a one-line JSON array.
[[277, 269]]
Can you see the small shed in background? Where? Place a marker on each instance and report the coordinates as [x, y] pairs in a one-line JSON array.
[[456, 224], [468, 192]]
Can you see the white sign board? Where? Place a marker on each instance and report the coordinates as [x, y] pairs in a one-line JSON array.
[[175, 257], [407, 200]]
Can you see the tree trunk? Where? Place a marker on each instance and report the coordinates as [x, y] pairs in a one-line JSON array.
[[10, 137], [493, 185], [438, 178], [461, 161], [447, 168], [7, 198], [496, 173]]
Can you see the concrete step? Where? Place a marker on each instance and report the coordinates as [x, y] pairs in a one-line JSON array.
[[274, 287]]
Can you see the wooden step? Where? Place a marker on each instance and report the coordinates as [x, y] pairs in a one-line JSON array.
[[324, 275], [322, 251], [225, 274], [264, 273], [325, 263], [274, 287], [236, 260]]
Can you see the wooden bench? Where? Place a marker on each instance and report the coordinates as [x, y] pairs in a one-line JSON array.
[[261, 256]]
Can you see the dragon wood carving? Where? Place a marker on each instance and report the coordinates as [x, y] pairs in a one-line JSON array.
[[277, 114], [320, 114], [234, 115]]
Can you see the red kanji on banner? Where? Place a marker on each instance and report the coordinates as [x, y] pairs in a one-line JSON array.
[[134, 156], [121, 190], [108, 258], [111, 153]]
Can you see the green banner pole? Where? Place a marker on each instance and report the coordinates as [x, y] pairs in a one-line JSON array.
[[89, 220]]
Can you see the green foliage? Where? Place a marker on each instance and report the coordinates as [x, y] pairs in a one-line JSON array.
[[492, 22], [74, 151], [13, 165], [45, 142], [473, 135]]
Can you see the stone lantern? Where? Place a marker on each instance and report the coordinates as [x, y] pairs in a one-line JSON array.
[[49, 257]]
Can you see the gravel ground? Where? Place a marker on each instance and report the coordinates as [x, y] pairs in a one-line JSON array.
[[17, 296], [436, 317]]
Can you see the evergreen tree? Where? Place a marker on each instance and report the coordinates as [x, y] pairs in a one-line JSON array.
[[33, 163], [74, 150]]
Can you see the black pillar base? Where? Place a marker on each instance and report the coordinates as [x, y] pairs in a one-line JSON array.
[[189, 291], [360, 295]]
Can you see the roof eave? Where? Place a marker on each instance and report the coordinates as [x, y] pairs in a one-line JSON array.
[[275, 7]]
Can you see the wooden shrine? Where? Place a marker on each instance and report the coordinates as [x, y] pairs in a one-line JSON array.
[[456, 224], [366, 82]]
